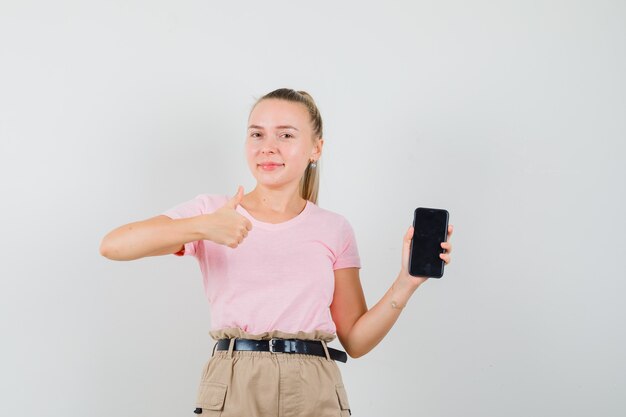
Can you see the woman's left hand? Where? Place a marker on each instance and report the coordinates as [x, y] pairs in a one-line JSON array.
[[406, 249]]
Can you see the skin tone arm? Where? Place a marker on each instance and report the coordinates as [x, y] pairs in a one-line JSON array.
[[158, 235], [162, 235], [358, 329]]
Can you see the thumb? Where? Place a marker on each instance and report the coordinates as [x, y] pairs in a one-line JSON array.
[[236, 199], [409, 235], [406, 244], [406, 247]]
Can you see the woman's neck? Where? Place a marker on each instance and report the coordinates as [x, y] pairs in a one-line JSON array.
[[277, 202]]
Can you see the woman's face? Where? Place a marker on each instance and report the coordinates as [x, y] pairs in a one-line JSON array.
[[279, 143]]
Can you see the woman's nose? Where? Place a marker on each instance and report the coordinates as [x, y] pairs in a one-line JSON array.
[[269, 145]]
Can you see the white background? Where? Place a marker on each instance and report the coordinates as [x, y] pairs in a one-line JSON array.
[[510, 114]]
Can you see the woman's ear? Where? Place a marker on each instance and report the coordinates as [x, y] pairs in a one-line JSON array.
[[317, 148]]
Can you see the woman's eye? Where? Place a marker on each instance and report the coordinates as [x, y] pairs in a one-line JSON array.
[[288, 135]]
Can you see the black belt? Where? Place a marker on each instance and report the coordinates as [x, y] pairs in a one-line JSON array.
[[308, 347]]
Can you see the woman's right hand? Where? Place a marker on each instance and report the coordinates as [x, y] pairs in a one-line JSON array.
[[226, 225]]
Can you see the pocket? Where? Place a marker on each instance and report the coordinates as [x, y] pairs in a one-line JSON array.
[[211, 396], [343, 400]]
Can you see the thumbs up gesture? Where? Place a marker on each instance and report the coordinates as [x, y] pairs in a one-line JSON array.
[[227, 226]]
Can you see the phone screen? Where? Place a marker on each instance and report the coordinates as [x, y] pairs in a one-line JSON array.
[[430, 229]]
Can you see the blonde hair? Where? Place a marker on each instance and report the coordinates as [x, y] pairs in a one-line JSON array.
[[309, 183]]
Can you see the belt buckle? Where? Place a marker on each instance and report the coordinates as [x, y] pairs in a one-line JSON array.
[[271, 344]]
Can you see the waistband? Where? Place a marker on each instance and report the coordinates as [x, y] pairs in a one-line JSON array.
[[277, 345]]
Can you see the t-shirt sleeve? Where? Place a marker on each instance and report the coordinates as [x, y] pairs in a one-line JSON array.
[[348, 254], [194, 207]]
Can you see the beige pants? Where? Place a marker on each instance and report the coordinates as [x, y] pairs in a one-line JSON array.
[[266, 384]]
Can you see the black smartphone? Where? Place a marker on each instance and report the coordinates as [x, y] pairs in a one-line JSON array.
[[430, 229]]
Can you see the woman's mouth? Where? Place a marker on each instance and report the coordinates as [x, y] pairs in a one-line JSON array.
[[270, 167]]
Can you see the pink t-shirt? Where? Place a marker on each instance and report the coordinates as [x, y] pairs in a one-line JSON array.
[[281, 276]]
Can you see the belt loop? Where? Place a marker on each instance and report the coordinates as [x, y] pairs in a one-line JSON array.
[[231, 346], [214, 346], [326, 349]]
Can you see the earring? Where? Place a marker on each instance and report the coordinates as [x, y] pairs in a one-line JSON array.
[[313, 164]]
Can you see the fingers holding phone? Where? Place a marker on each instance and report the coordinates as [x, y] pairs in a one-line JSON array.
[[447, 247]]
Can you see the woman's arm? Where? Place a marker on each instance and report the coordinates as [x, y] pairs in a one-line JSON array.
[[159, 235], [359, 330]]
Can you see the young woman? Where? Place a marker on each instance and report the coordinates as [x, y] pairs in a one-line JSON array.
[[281, 274]]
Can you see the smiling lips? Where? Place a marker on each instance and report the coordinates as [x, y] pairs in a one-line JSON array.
[[269, 166]]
